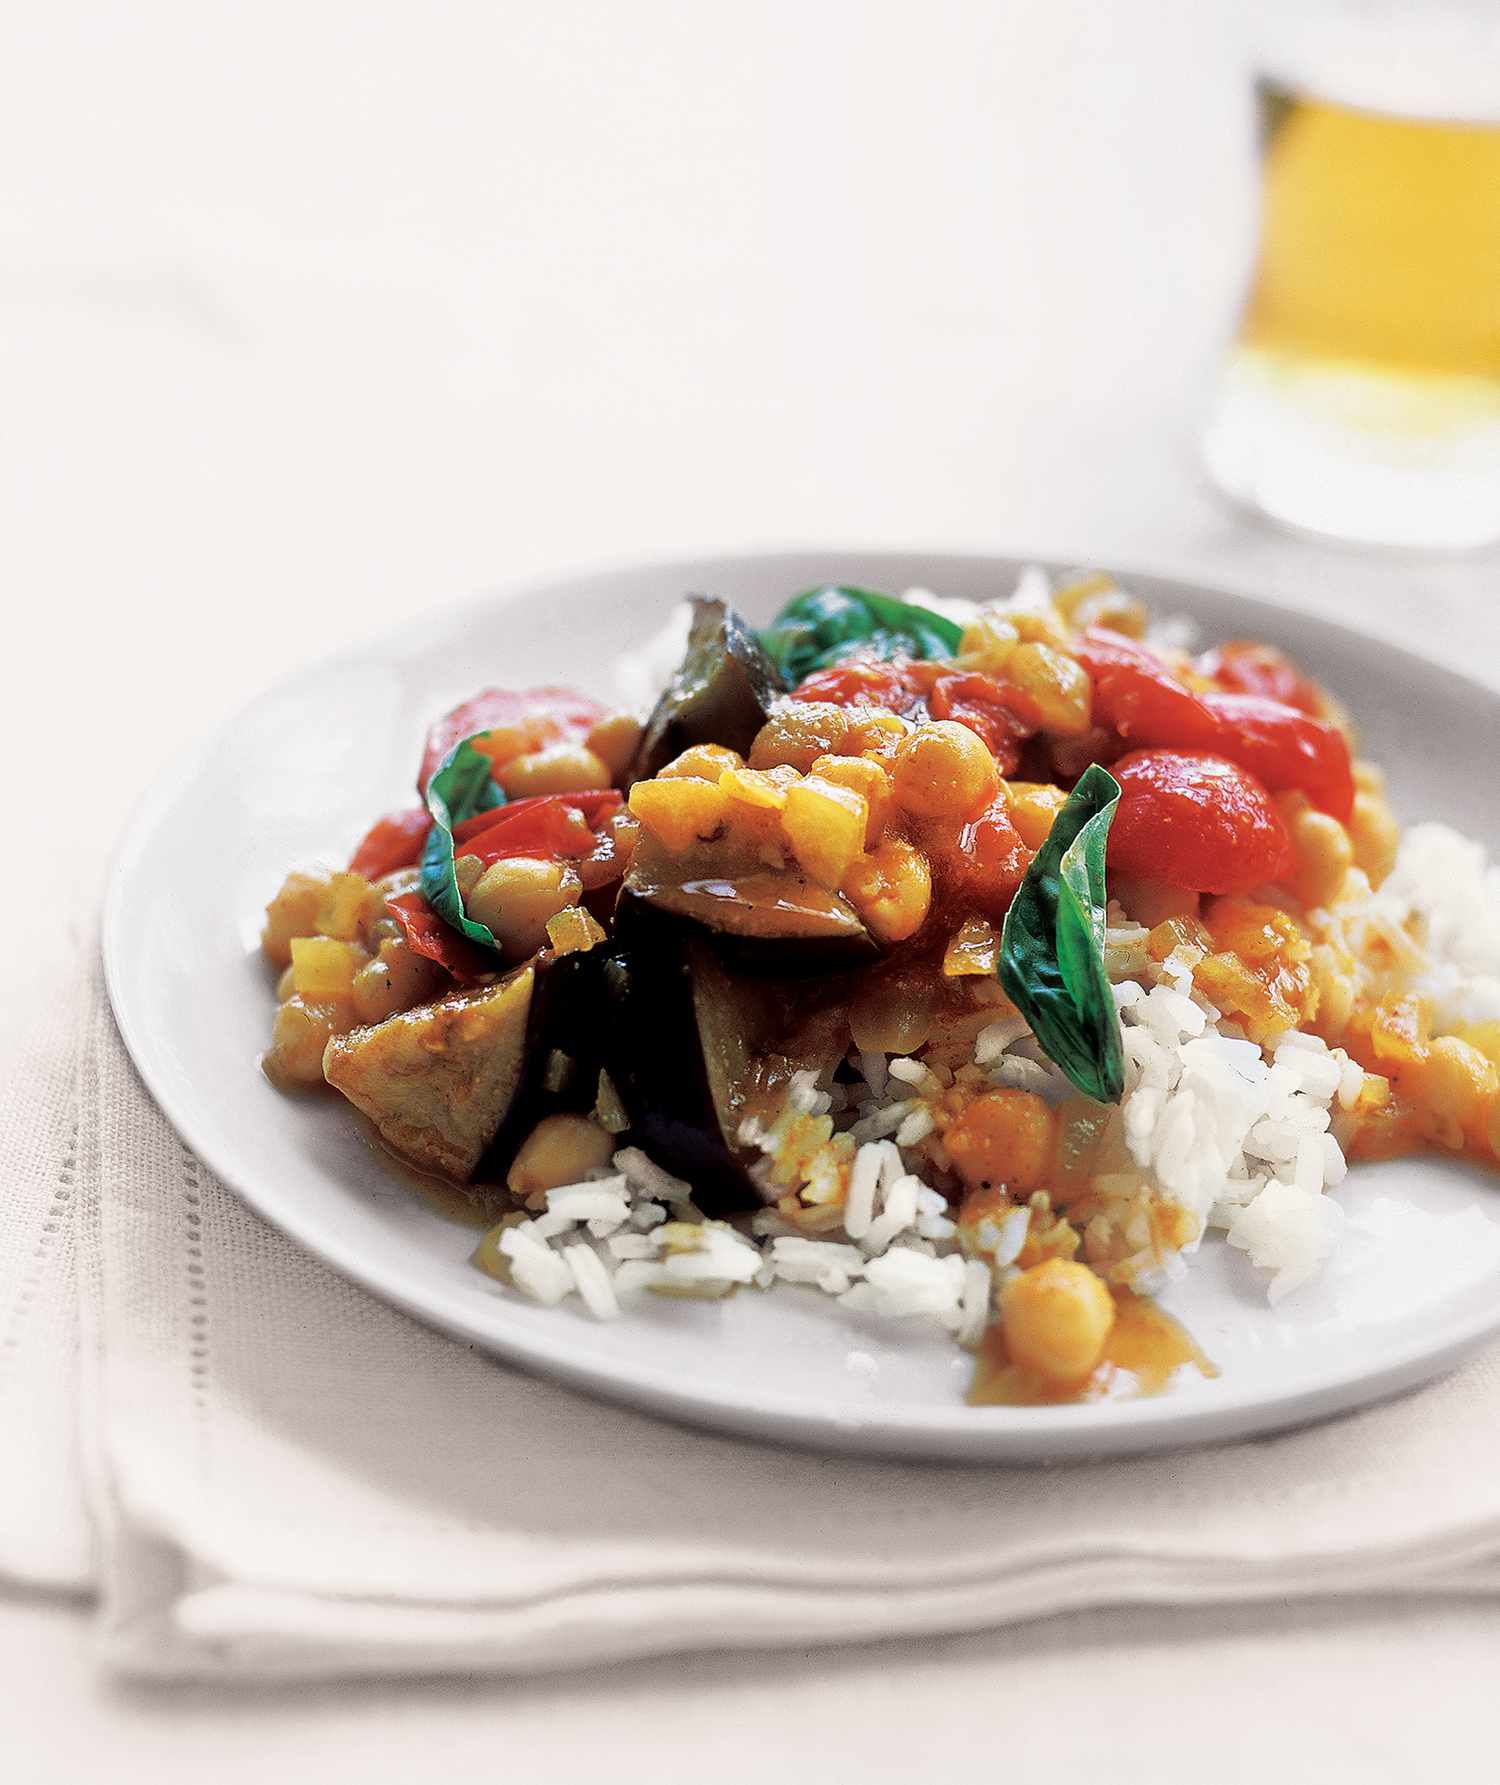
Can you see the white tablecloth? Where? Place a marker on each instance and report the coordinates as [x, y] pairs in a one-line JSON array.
[[313, 316]]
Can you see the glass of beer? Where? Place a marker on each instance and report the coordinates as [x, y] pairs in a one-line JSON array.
[[1361, 397]]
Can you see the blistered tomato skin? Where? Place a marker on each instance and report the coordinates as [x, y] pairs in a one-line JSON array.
[[1197, 822], [1285, 749], [1242, 666], [978, 701], [861, 680], [1141, 698]]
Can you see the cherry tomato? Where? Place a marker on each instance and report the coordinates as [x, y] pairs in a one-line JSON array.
[[552, 827], [536, 716], [428, 935], [1285, 749], [1135, 693], [862, 681], [392, 842], [1196, 821], [1244, 667], [1141, 697], [984, 865], [978, 701]]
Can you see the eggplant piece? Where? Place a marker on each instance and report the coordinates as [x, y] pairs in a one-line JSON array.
[[562, 1057], [721, 694], [439, 1080], [760, 919], [694, 1049]]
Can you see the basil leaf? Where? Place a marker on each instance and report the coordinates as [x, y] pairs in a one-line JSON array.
[[1052, 945], [463, 785], [820, 626]]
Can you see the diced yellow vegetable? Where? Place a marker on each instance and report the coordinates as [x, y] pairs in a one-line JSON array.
[[1033, 806], [293, 912], [573, 931], [341, 910], [753, 787], [1049, 689], [824, 825], [702, 762], [987, 642], [324, 968], [679, 812], [561, 1149], [973, 949], [864, 775]]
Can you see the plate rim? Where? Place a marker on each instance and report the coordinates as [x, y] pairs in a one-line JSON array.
[[1069, 1432]]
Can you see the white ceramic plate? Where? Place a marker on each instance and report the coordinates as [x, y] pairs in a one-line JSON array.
[[297, 776]]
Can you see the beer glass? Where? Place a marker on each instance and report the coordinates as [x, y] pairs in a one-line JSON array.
[[1361, 397]]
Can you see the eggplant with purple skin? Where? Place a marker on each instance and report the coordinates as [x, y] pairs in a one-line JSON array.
[[721, 694], [694, 1049], [759, 919]]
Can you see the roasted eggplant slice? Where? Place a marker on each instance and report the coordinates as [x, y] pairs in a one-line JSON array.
[[721, 694], [438, 1081], [693, 1049], [776, 921]]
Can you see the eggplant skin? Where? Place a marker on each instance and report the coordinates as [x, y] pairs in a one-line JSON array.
[[721, 694], [562, 1056], [759, 921], [655, 1059]]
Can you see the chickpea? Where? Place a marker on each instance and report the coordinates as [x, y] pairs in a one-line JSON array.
[[555, 768], [1004, 1136], [559, 1150], [891, 888], [988, 642], [1374, 834], [397, 979], [516, 896], [293, 912], [944, 770], [799, 734], [1057, 1318], [1033, 806], [1324, 856], [299, 1034], [1050, 690], [614, 739]]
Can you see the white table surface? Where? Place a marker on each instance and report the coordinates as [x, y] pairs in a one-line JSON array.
[[312, 316]]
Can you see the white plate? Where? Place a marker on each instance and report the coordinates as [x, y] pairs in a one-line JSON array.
[[297, 776]]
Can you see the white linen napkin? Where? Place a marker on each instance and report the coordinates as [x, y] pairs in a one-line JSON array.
[[290, 1479]]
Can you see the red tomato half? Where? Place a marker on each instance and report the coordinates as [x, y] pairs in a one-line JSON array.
[[862, 681], [392, 842], [1197, 822], [978, 701], [553, 826], [538, 716], [1147, 703], [1285, 749], [1245, 667]]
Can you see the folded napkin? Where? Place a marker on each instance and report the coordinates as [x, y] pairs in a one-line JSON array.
[[288, 1478]]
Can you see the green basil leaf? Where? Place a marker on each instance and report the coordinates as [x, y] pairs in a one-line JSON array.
[[820, 626], [463, 785], [1052, 945]]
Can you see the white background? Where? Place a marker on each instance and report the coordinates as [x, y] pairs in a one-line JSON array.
[[312, 316]]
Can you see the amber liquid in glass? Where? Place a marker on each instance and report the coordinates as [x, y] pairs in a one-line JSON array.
[[1363, 393]]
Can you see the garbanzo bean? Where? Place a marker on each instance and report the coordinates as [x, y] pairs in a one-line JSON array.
[[1004, 1136], [799, 734], [863, 775], [943, 770], [987, 643], [300, 1032], [515, 897], [559, 1150], [1057, 1317], [555, 768], [1049, 689], [293, 912], [1374, 834], [1324, 855], [614, 739], [891, 888], [397, 979]]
